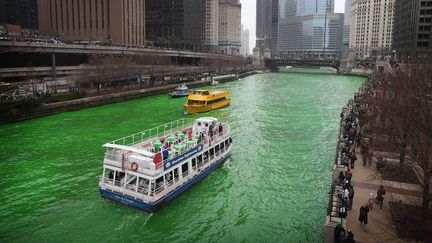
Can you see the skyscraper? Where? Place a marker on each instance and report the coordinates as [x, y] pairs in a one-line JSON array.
[[175, 23], [244, 51], [346, 29], [371, 28], [122, 22], [309, 29], [229, 27], [275, 27], [210, 30], [19, 12], [412, 29], [263, 25]]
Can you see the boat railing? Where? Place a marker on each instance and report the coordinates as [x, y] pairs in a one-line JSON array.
[[162, 130], [112, 155], [142, 189]]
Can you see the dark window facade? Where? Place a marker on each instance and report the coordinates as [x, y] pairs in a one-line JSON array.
[[19, 12]]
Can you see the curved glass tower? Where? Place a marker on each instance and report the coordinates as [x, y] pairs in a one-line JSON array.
[[308, 29]]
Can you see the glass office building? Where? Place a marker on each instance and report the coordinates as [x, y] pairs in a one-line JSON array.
[[308, 29]]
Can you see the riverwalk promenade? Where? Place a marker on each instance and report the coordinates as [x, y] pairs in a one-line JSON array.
[[365, 180], [380, 227]]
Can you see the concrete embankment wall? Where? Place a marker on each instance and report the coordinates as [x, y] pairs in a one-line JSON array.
[[71, 105]]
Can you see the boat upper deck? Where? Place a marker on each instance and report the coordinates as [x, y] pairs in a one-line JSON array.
[[148, 152], [206, 95]]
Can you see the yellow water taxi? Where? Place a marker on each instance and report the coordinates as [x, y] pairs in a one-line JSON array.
[[206, 100]]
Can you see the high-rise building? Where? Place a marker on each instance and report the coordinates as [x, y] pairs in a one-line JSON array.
[[244, 51], [275, 27], [122, 22], [346, 29], [210, 30], [19, 12], [175, 23], [263, 25], [309, 29], [371, 30], [229, 27], [412, 35]]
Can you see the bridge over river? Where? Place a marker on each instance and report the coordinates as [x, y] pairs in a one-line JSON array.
[[295, 62]]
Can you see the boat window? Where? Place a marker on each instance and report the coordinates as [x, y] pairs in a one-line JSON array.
[[159, 184], [201, 92], [211, 152], [196, 102], [222, 146], [193, 162], [168, 177], [176, 175], [215, 101], [185, 167], [205, 156], [199, 123], [200, 158], [142, 184], [109, 174]]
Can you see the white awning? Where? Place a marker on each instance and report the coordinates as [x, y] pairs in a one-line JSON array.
[[129, 148]]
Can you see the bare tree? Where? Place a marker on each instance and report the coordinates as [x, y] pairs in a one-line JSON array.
[[421, 139]]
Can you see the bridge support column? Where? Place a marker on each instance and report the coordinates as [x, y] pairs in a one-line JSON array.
[[54, 67]]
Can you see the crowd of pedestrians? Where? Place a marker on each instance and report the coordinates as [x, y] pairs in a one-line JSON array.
[[351, 140]]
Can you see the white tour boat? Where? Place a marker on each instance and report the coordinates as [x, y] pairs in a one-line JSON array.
[[148, 169]]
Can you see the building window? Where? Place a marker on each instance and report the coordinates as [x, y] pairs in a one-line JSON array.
[[91, 15], [73, 14], [85, 15], [79, 14], [96, 14], [103, 13]]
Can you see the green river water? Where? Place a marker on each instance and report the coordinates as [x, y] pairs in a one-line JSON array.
[[274, 188]]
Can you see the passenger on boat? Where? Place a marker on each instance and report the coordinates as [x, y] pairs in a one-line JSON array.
[[220, 127], [211, 131], [165, 153], [168, 177]]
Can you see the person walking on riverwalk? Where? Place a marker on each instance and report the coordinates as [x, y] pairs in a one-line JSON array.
[[371, 200], [353, 159], [350, 196], [380, 196], [369, 157], [363, 218]]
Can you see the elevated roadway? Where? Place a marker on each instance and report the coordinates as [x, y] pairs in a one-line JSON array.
[[26, 47]]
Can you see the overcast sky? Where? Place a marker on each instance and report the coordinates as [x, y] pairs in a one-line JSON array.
[[249, 16]]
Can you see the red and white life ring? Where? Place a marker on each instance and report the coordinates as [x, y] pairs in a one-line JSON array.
[[134, 166]]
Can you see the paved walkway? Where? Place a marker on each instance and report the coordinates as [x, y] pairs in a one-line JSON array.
[[380, 226]]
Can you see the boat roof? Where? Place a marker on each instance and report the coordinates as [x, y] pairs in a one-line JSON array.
[[129, 148], [213, 94], [206, 119]]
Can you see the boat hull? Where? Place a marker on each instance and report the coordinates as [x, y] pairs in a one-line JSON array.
[[178, 95], [205, 108], [156, 206]]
